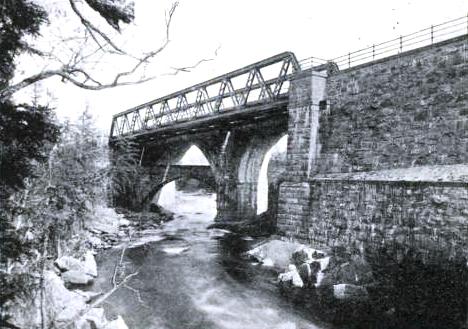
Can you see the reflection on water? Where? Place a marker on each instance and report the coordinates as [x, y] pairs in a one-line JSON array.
[[191, 277]]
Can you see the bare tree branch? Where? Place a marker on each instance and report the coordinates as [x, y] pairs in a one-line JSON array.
[[93, 30], [177, 70], [78, 69], [10, 90], [152, 54], [137, 293]]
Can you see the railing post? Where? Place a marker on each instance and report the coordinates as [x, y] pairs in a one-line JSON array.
[[401, 44], [349, 60], [373, 52], [432, 34]]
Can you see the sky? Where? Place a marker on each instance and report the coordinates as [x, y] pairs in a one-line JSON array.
[[236, 33]]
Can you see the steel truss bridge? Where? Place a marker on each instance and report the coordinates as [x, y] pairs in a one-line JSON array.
[[260, 86]]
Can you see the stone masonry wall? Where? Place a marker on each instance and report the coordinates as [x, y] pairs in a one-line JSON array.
[[293, 208], [402, 111], [428, 217]]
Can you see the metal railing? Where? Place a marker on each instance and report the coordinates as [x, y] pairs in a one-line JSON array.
[[259, 83], [311, 62], [263, 82], [435, 33]]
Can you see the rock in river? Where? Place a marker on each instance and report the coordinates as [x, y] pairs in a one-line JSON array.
[[292, 276], [77, 277]]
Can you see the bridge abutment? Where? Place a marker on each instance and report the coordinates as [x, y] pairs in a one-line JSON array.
[[383, 164], [307, 96]]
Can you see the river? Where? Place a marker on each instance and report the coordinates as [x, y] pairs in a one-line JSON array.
[[190, 277]]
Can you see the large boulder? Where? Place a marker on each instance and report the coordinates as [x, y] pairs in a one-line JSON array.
[[67, 263], [92, 319], [66, 304], [77, 278], [104, 220], [292, 277], [275, 252], [78, 271], [62, 305]]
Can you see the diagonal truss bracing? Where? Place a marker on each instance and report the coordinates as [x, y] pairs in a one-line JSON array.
[[262, 82]]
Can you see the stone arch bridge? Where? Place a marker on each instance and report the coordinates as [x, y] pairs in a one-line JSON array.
[[233, 119], [377, 150]]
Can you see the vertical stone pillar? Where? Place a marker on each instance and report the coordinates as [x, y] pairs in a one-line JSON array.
[[226, 200], [226, 193], [306, 92], [247, 199]]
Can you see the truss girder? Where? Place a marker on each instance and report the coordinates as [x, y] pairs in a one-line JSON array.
[[256, 86]]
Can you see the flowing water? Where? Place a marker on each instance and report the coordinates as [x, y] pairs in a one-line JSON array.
[[191, 277]]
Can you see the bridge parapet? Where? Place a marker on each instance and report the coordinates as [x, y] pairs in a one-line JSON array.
[[263, 82]]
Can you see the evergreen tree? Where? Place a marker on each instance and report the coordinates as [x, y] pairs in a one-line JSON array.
[[18, 18]]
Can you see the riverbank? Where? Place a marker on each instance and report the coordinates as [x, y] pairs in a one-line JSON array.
[[66, 299], [179, 274], [192, 277]]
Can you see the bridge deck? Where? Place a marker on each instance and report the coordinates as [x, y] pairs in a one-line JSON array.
[[259, 87]]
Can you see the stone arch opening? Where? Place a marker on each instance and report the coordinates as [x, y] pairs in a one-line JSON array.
[[188, 172], [179, 201], [193, 156], [272, 167], [249, 169]]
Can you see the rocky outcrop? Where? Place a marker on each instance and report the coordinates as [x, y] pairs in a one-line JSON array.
[[343, 276], [59, 305], [78, 271], [304, 264], [276, 253]]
